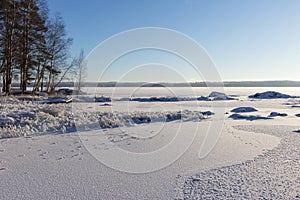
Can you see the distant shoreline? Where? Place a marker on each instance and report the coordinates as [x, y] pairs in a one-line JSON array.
[[188, 84]]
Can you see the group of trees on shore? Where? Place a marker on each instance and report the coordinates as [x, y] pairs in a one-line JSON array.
[[34, 49]]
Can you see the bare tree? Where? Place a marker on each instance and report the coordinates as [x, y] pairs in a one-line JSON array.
[[81, 67], [58, 51]]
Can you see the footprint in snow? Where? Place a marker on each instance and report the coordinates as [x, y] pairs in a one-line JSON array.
[[75, 155], [61, 158], [43, 154]]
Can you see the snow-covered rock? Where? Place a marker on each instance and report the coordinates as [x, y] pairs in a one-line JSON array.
[[215, 96], [141, 119], [271, 95], [154, 99], [275, 114], [160, 99], [243, 109], [102, 99], [202, 98], [247, 117], [106, 104], [207, 113], [55, 100]]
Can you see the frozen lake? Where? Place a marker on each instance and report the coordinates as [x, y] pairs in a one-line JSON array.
[[248, 158], [182, 91]]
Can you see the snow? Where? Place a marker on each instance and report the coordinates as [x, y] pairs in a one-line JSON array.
[[264, 177], [59, 166]]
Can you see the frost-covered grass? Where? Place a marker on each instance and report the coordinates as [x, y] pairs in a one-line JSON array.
[[23, 118]]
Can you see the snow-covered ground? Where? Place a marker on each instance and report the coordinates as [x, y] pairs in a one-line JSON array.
[[256, 158]]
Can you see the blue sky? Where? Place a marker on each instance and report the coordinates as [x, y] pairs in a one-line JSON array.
[[247, 40]]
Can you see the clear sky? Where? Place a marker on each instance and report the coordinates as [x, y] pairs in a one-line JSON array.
[[246, 39]]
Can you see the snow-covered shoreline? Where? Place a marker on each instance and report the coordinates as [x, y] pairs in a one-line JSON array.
[[24, 118]]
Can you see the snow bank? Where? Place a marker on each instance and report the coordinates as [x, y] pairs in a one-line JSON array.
[[243, 109], [271, 95]]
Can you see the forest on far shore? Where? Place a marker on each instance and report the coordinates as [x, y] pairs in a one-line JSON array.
[[34, 48]]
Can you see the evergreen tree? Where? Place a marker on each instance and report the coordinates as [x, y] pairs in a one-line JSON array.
[[8, 19], [32, 30]]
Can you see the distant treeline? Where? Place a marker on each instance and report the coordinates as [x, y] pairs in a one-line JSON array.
[[193, 84], [202, 84]]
